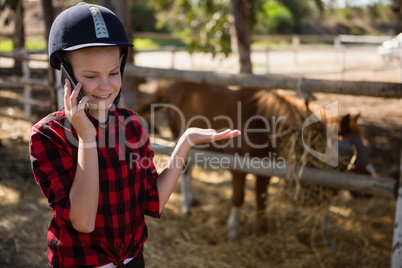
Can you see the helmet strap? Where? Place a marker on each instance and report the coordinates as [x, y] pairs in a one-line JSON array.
[[123, 61]]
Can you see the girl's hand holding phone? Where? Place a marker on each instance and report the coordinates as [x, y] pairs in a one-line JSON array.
[[75, 112]]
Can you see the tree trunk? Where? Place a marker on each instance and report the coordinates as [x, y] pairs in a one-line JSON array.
[[130, 97], [108, 4], [48, 17], [241, 37], [320, 6], [19, 35], [397, 7]]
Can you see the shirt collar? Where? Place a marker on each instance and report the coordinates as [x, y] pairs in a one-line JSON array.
[[112, 113]]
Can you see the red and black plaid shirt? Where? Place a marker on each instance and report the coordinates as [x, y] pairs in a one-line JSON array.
[[127, 188]]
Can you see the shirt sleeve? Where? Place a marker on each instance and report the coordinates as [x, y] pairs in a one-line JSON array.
[[152, 204], [149, 173], [53, 168]]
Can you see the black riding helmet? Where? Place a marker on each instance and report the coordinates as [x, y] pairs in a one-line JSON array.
[[83, 26]]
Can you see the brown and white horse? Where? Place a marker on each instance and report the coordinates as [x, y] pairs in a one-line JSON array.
[[265, 118]]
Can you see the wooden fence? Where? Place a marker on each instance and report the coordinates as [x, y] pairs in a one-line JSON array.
[[375, 89], [305, 38], [360, 183], [359, 88], [26, 82], [365, 184], [339, 51], [342, 45]]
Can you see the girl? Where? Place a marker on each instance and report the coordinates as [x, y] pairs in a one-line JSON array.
[[94, 164]]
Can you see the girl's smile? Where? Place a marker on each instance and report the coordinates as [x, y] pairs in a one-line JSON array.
[[105, 97]]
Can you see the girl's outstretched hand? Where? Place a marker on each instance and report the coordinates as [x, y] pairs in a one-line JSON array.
[[168, 177], [198, 135]]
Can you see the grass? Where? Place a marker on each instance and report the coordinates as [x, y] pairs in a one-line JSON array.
[[139, 43], [7, 45], [148, 43]]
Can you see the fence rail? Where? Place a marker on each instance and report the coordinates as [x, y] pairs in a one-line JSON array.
[[26, 82], [367, 39], [342, 44], [283, 37], [270, 81], [375, 186], [361, 183]]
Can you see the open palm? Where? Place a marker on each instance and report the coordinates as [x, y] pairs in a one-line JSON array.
[[200, 135]]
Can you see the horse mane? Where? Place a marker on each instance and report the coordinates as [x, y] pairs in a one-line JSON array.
[[275, 103]]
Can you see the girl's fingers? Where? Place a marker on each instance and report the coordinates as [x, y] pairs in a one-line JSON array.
[[67, 93], [71, 95], [74, 95], [71, 102], [210, 135], [227, 134]]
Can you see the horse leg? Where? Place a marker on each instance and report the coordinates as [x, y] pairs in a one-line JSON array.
[[187, 195], [261, 193], [238, 184]]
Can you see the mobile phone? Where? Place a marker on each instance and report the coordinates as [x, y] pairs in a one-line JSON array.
[[65, 75]]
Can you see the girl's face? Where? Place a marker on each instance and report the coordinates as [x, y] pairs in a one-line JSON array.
[[98, 69]]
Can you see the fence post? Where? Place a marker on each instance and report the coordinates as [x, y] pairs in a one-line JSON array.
[[295, 44], [396, 253], [172, 58], [340, 50], [400, 65], [267, 60], [342, 60], [59, 90], [26, 74]]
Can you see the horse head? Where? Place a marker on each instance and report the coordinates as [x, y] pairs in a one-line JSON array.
[[326, 130], [352, 152]]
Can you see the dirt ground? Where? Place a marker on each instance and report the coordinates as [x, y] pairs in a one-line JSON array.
[[344, 233]]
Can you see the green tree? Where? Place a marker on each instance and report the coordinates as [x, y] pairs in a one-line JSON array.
[[397, 8], [300, 11], [214, 24], [17, 14], [275, 17]]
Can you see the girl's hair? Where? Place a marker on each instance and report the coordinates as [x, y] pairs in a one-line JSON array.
[[66, 55]]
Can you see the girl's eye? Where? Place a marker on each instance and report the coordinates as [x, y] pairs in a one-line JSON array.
[[116, 73], [90, 76]]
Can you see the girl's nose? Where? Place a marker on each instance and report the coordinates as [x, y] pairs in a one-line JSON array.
[[105, 83]]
